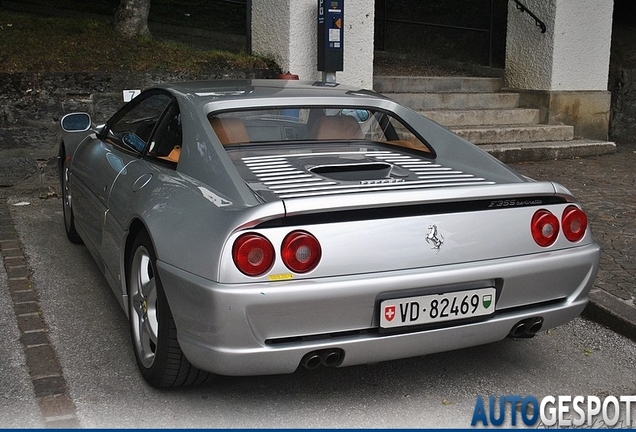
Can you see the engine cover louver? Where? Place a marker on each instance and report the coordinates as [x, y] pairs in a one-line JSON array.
[[307, 174]]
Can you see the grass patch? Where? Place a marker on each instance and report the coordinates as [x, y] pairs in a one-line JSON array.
[[219, 15], [32, 43]]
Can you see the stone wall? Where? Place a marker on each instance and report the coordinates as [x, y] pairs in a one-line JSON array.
[[622, 84], [31, 106]]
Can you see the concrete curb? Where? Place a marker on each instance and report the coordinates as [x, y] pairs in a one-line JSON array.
[[49, 384], [608, 310]]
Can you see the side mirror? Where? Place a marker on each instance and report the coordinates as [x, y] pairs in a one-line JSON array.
[[76, 122]]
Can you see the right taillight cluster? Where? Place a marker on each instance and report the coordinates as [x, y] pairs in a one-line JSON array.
[[254, 254], [545, 226]]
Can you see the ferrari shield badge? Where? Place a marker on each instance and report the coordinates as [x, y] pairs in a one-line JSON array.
[[434, 238]]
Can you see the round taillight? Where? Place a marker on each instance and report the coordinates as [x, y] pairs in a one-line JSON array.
[[301, 251], [574, 223], [544, 227], [253, 254]]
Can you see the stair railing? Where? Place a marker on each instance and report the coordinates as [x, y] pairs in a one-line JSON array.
[[523, 8]]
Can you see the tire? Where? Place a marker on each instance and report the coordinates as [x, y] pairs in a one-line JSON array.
[[152, 327], [67, 203]]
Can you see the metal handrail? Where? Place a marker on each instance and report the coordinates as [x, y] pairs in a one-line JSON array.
[[537, 21]]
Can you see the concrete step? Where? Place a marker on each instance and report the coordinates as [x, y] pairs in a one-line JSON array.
[[407, 84], [515, 133], [479, 111], [551, 150], [456, 101], [451, 118]]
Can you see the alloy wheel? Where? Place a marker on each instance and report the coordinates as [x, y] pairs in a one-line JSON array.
[[143, 307]]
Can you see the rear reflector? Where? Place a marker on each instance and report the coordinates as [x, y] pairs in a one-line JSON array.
[[301, 251], [574, 222]]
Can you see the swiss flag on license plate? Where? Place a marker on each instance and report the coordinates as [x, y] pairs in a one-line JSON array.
[[389, 313]]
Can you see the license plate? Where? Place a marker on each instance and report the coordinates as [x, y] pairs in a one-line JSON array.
[[427, 309]]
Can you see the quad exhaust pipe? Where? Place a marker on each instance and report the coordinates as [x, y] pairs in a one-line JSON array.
[[330, 357], [526, 328]]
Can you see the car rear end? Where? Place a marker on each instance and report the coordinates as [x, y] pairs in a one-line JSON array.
[[362, 277], [397, 239]]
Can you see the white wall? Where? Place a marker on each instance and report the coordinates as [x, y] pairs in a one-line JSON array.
[[572, 55], [582, 49], [285, 30]]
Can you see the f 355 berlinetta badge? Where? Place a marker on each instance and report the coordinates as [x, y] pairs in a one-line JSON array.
[[434, 238]]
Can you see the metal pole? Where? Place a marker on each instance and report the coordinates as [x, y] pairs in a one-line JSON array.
[[329, 77]]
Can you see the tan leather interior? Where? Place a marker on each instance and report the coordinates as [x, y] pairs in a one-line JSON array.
[[174, 155], [338, 127], [230, 130], [409, 144]]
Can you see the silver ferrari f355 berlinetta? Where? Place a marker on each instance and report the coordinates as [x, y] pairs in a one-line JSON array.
[[258, 226]]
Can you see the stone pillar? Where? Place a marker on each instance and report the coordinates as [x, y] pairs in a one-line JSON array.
[[565, 70], [286, 30]]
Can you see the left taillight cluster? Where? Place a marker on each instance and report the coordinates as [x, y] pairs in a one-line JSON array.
[[254, 254], [545, 226]]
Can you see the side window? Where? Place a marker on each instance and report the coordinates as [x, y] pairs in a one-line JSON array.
[[132, 129], [380, 127], [165, 144], [388, 129]]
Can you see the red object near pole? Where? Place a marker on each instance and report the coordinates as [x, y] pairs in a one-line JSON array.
[[288, 76]]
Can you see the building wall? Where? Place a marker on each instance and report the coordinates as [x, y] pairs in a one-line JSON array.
[[528, 51], [286, 31], [574, 52], [564, 71], [582, 46]]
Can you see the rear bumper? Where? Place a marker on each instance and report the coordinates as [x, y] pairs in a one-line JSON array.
[[226, 329]]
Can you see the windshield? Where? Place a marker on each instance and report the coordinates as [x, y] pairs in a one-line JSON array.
[[300, 124]]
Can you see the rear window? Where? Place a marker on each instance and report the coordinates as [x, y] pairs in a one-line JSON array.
[[300, 124]]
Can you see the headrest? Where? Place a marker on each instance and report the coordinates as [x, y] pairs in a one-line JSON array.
[[230, 130], [338, 127]]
